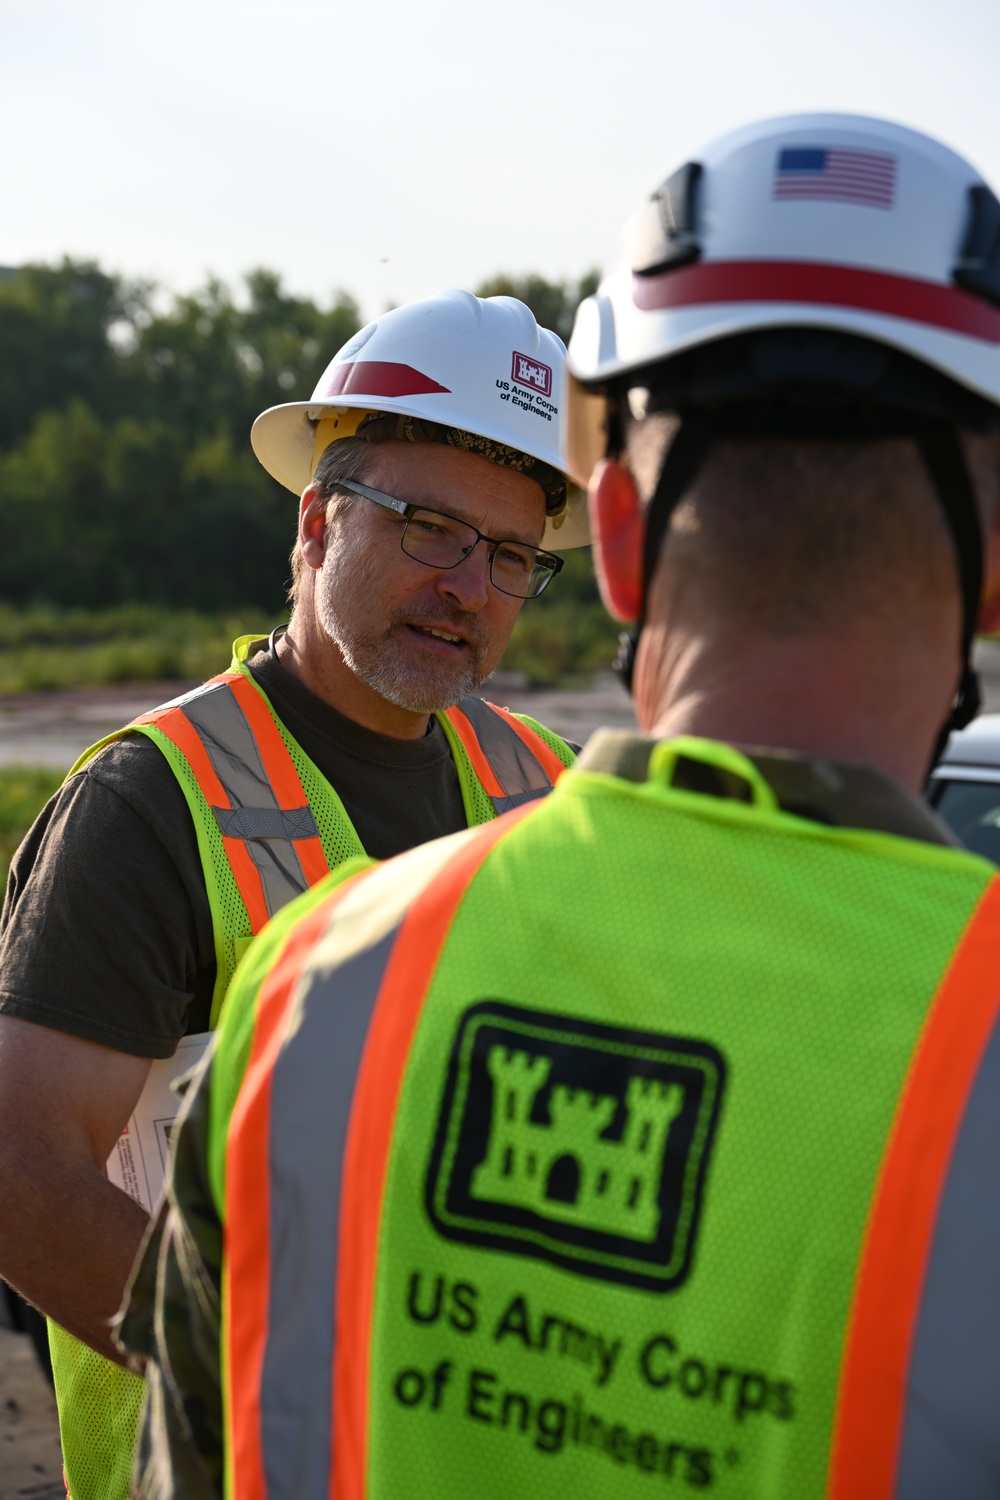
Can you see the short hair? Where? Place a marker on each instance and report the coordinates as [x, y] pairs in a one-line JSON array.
[[796, 536], [350, 458]]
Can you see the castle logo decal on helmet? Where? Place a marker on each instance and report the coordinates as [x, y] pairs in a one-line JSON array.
[[833, 174], [581, 1144], [531, 373]]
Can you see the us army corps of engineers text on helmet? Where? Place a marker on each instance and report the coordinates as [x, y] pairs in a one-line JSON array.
[[813, 276], [476, 365]]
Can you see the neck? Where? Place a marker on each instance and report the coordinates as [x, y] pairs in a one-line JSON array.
[[308, 654], [844, 697]]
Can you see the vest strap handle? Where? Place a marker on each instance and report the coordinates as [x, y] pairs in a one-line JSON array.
[[665, 757]]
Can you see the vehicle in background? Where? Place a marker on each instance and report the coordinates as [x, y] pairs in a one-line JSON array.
[[964, 787]]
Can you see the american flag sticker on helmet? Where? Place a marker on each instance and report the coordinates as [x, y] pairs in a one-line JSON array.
[[832, 174]]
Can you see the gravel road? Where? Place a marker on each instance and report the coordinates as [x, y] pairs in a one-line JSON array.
[[51, 729]]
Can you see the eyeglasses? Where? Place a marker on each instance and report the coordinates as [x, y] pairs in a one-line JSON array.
[[442, 541]]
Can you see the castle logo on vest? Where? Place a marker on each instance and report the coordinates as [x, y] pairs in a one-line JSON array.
[[583, 1144]]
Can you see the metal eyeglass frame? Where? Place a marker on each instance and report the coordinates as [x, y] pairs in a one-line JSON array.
[[407, 510]]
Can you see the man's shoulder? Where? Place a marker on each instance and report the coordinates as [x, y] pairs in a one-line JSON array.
[[134, 769], [125, 778], [131, 756]]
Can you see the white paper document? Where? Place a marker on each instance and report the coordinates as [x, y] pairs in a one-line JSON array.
[[138, 1164]]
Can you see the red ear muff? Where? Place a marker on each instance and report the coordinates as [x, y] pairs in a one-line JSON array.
[[617, 527]]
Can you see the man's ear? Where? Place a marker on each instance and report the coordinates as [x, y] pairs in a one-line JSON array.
[[617, 529], [312, 526]]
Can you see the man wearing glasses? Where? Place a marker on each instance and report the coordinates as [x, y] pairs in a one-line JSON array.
[[430, 498]]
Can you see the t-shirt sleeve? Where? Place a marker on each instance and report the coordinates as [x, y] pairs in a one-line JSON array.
[[106, 932]]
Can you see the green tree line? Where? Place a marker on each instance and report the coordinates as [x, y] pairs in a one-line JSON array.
[[126, 473]]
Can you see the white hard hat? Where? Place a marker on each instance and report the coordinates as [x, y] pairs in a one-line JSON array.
[[823, 221], [478, 365]]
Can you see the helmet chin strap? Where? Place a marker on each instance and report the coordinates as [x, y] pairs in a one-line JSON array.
[[684, 458], [941, 449]]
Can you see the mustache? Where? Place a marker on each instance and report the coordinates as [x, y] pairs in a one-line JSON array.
[[469, 627]]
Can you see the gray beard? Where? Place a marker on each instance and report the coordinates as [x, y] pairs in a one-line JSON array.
[[377, 663]]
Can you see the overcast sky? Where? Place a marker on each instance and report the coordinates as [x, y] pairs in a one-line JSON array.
[[393, 149]]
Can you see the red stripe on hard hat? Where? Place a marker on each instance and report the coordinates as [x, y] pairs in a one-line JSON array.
[[835, 286], [379, 377]]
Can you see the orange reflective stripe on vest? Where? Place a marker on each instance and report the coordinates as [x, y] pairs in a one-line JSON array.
[[249, 780], [283, 779], [893, 1262], [337, 1136], [514, 764]]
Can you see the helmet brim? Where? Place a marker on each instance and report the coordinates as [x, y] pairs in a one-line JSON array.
[[283, 439], [970, 362]]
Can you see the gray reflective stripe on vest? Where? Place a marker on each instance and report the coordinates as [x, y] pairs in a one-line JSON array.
[[951, 1428], [520, 773], [265, 822], [312, 1091], [255, 816]]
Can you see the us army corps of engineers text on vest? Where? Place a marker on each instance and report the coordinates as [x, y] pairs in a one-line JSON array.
[[613, 1142]]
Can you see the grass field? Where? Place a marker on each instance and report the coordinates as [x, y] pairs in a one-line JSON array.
[[23, 792], [565, 634], [43, 648]]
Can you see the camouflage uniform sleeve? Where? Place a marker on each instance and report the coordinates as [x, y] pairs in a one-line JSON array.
[[172, 1316]]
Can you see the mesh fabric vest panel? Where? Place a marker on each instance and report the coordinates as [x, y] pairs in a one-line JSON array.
[[806, 958], [99, 1402], [809, 959]]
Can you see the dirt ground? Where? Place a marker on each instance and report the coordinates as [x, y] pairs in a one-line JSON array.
[[30, 1462]]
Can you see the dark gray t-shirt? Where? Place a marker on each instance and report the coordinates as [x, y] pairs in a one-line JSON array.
[[106, 930]]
